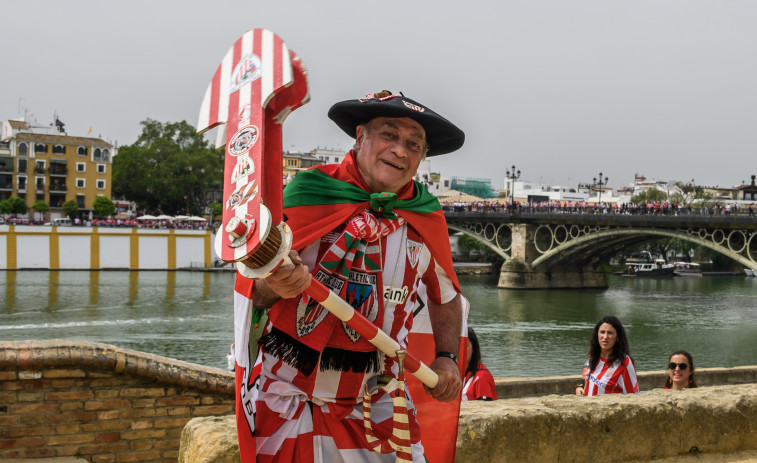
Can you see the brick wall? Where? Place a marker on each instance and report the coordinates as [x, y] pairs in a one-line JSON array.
[[65, 398]]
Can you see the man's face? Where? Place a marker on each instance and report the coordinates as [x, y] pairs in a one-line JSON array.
[[389, 151]]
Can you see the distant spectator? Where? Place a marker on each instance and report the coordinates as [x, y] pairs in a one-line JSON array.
[[609, 369], [478, 383], [680, 371]]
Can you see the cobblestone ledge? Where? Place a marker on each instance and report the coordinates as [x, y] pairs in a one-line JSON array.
[[66, 399]]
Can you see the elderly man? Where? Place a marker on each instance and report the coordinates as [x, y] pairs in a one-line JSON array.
[[372, 235]]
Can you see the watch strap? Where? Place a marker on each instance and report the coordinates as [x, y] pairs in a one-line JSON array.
[[449, 355]]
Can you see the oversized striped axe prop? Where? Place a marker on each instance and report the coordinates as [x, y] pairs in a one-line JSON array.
[[258, 84]]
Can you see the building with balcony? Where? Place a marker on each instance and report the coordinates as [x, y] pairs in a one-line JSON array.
[[40, 162]]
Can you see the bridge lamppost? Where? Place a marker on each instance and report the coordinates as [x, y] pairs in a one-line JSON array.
[[513, 176], [600, 183]]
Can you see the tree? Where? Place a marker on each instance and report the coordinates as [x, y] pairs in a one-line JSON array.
[[103, 206], [41, 206], [17, 205], [5, 207], [651, 195], [70, 209], [168, 169]]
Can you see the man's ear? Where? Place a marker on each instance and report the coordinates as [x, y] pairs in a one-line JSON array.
[[359, 134]]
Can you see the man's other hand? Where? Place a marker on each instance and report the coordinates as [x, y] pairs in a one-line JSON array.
[[449, 385]]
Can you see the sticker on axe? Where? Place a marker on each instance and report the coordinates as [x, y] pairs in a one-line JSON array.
[[242, 195], [243, 168], [243, 140], [247, 70]]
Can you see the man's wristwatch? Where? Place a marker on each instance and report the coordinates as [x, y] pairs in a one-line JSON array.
[[449, 355]]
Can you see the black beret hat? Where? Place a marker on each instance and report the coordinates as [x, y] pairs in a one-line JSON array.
[[442, 135]]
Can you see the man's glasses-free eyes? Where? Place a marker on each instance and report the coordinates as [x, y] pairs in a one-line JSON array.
[[682, 366]]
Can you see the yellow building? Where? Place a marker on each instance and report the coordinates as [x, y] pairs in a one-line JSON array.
[[44, 163]]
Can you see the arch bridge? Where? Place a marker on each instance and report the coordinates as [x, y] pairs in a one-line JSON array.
[[554, 250]]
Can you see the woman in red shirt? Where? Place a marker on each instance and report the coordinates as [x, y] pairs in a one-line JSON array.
[[609, 369], [478, 383]]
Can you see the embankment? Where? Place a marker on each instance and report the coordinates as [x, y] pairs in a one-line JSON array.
[[64, 398]]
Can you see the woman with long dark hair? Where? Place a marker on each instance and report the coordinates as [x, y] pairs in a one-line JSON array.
[[680, 371], [609, 369], [478, 383]]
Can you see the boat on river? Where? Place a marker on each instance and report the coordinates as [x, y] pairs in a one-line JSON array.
[[749, 272], [642, 264], [687, 269]]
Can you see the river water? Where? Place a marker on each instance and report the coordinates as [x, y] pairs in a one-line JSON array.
[[188, 316]]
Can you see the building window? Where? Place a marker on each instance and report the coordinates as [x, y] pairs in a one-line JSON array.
[[81, 183], [80, 201], [22, 183], [40, 196], [22, 166], [40, 148], [81, 151], [446, 183], [101, 168], [59, 149], [97, 154], [39, 183], [39, 167], [23, 150], [106, 155], [100, 184], [81, 167]]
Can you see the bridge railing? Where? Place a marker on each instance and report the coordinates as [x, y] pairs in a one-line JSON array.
[[593, 209]]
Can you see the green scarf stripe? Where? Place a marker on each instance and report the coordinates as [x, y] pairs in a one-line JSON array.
[[315, 188]]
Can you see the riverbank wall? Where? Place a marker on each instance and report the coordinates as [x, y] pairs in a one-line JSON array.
[[103, 248], [62, 398]]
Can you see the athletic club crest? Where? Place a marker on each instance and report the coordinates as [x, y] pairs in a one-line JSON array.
[[414, 107], [310, 314], [361, 295], [243, 168], [247, 70], [243, 140], [413, 252], [242, 195]]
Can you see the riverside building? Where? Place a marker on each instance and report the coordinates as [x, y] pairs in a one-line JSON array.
[[39, 162]]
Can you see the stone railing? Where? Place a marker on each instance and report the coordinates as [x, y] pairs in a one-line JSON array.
[[707, 421], [540, 425], [65, 398]]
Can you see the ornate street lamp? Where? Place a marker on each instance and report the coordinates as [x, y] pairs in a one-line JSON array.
[[600, 183], [513, 176]]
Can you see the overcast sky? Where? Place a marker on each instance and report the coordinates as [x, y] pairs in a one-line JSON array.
[[562, 89]]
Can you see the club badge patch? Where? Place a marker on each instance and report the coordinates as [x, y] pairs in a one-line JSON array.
[[242, 195], [310, 314], [414, 107], [243, 168], [243, 140], [361, 295], [413, 252], [247, 70]]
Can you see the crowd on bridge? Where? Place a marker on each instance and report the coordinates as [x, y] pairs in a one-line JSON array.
[[582, 207]]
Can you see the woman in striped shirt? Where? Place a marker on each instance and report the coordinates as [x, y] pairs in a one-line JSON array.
[[609, 369]]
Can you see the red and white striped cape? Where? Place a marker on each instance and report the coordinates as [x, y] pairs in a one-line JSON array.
[[437, 420]]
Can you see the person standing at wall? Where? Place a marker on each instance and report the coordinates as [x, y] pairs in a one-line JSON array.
[[609, 369], [478, 383]]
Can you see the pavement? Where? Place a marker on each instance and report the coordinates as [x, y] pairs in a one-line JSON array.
[[749, 456]]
